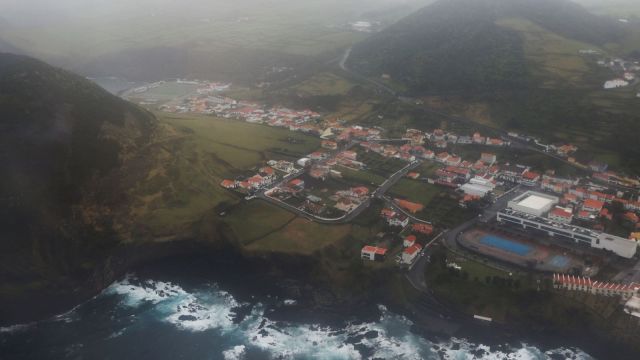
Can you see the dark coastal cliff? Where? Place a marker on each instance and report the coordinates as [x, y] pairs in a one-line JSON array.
[[62, 138]]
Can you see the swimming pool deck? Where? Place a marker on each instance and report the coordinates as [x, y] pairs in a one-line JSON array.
[[526, 253]]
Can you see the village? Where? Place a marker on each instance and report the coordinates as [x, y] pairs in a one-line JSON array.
[[358, 166], [627, 71]]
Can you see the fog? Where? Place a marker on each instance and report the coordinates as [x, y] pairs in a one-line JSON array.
[[35, 12]]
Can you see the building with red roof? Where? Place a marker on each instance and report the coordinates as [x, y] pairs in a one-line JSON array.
[[561, 215], [409, 206], [409, 241], [297, 183], [229, 184], [578, 283], [592, 205], [409, 254], [425, 229], [373, 253]]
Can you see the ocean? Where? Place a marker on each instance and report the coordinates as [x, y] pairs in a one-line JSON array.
[[146, 318]]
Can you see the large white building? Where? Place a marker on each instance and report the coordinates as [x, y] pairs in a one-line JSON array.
[[620, 246], [533, 203]]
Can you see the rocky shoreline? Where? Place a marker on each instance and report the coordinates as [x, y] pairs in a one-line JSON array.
[[290, 277]]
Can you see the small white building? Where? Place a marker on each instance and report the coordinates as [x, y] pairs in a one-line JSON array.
[[561, 215], [373, 253], [475, 189], [632, 306], [616, 83], [533, 203], [409, 254]]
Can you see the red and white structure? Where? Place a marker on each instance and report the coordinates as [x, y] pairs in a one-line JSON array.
[[373, 253], [585, 284]]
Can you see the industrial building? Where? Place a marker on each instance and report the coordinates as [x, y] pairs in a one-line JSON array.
[[533, 203], [620, 246]]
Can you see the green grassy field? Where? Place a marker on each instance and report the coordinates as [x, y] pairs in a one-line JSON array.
[[301, 236], [441, 204], [416, 191], [324, 84], [193, 156], [240, 146], [253, 220], [556, 55], [362, 177]]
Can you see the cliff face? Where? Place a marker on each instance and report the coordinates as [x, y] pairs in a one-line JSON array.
[[62, 139]]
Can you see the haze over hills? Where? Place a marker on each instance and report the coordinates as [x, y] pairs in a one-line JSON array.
[[238, 41], [458, 45], [62, 139], [517, 64]]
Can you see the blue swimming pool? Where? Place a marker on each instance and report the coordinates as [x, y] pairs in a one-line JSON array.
[[506, 245]]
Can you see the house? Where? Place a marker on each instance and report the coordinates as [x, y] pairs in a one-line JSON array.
[[530, 178], [425, 229], [488, 158], [453, 161], [585, 215], [409, 254], [328, 144], [373, 253], [399, 220], [318, 155], [413, 175], [409, 241], [359, 191], [229, 184], [346, 205], [592, 205], [561, 215], [409, 206], [615, 83], [442, 157], [320, 172], [257, 181], [495, 142], [584, 284], [349, 155], [459, 171], [297, 184], [267, 171]]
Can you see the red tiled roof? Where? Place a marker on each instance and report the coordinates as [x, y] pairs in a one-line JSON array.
[[227, 183], [561, 212], [423, 228], [374, 249], [413, 249], [409, 206], [593, 204]]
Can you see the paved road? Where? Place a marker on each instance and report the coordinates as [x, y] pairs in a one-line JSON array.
[[416, 273], [515, 142], [348, 217]]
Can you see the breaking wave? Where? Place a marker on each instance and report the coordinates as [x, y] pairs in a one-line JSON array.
[[254, 334]]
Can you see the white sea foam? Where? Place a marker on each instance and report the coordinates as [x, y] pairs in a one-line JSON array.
[[200, 313], [148, 291], [15, 328], [235, 353], [388, 338]]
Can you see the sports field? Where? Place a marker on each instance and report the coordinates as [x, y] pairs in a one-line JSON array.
[[520, 251]]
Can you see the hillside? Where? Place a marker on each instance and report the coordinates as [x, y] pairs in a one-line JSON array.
[[457, 46], [517, 63], [61, 138]]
